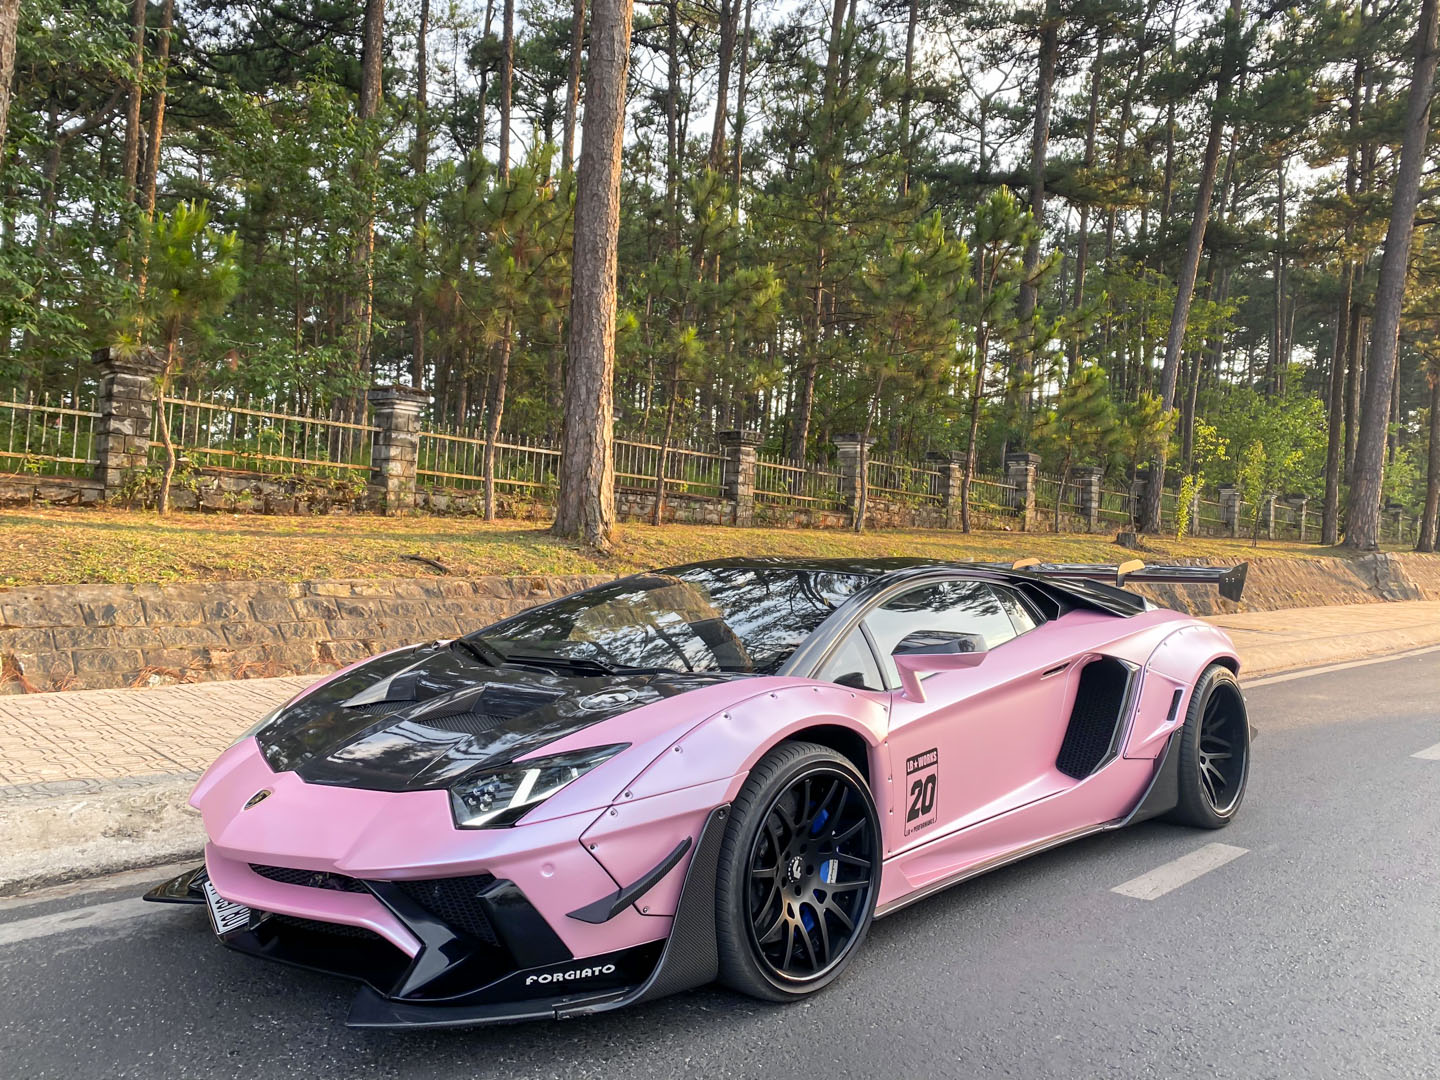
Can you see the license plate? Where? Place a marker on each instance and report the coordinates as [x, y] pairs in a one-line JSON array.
[[225, 915]]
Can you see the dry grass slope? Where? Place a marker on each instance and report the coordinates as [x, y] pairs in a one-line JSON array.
[[49, 546]]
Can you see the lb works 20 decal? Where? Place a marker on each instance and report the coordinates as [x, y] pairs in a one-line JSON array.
[[922, 783], [571, 975]]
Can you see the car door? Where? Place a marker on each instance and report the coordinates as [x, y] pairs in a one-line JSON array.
[[983, 742]]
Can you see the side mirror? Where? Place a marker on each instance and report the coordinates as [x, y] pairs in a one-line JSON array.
[[927, 651]]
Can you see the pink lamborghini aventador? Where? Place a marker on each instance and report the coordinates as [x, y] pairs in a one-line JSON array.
[[723, 770]]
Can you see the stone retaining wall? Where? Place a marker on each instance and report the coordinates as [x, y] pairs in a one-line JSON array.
[[93, 636], [55, 637]]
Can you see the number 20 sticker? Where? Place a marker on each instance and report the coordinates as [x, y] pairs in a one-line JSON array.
[[922, 778]]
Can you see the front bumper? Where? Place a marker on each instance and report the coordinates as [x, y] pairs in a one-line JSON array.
[[473, 926], [493, 961]]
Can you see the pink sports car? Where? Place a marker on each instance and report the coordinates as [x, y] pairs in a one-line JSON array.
[[726, 770]]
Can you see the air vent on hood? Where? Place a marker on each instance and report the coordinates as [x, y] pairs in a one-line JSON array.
[[477, 714]]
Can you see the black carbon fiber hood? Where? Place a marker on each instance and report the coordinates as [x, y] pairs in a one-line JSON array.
[[421, 718]]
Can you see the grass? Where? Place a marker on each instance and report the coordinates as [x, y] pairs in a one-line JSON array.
[[66, 546]]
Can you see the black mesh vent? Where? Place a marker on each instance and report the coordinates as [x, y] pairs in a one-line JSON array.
[[380, 708], [312, 879], [1099, 700], [466, 723], [333, 929], [490, 710], [455, 902]]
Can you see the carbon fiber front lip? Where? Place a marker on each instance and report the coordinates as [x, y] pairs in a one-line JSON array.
[[687, 959]]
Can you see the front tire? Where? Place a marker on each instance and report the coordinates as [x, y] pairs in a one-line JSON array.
[[1214, 750], [799, 874]]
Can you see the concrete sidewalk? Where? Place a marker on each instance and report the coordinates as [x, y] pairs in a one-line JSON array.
[[98, 778]]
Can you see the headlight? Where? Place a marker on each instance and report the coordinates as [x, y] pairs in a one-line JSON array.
[[264, 722], [501, 796]]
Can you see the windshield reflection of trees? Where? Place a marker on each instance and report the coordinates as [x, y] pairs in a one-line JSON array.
[[726, 619]]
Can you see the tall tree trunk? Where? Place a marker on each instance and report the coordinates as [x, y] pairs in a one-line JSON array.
[[742, 84], [422, 164], [359, 315], [157, 132], [1082, 247], [1275, 381], [1336, 418], [729, 17], [1190, 267], [586, 506], [162, 386], [672, 120], [1335, 412], [157, 108], [9, 21], [507, 81], [1363, 519], [572, 89], [1430, 520], [907, 149], [1039, 155], [496, 414], [809, 367], [657, 511], [131, 164]]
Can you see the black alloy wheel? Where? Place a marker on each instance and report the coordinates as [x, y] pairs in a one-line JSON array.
[[1224, 750], [1214, 752], [800, 871]]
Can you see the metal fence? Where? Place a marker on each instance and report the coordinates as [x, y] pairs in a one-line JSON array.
[[689, 470], [448, 459], [47, 437], [913, 485], [785, 482], [228, 432]]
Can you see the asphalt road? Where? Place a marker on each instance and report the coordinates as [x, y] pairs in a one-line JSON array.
[[1309, 946]]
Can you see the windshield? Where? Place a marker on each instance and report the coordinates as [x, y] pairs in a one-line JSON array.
[[707, 619]]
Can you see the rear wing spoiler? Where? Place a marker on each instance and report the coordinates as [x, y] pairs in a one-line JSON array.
[[1229, 579]]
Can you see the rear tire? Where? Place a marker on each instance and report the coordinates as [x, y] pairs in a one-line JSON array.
[[798, 875], [1214, 751]]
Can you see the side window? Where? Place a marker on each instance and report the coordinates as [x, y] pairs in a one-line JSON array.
[[1019, 613], [853, 664], [969, 607]]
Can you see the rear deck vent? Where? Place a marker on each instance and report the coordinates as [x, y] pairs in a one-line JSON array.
[[1099, 707]]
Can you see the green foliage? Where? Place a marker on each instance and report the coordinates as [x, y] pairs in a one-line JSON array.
[[816, 285]]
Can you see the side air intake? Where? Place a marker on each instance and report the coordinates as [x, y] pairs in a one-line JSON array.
[[1094, 720]]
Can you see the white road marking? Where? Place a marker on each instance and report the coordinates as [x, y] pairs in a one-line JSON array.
[[1430, 753], [1305, 673], [1181, 871], [96, 917]]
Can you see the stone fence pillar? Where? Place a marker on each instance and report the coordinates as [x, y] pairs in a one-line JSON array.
[[1138, 489], [1230, 508], [127, 411], [1086, 479], [1020, 474], [952, 473], [737, 472], [1268, 516], [395, 452], [848, 448]]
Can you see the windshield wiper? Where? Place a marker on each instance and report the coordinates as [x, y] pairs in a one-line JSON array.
[[480, 650], [581, 665]]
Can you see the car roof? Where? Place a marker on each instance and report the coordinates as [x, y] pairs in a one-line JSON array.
[[1090, 594]]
